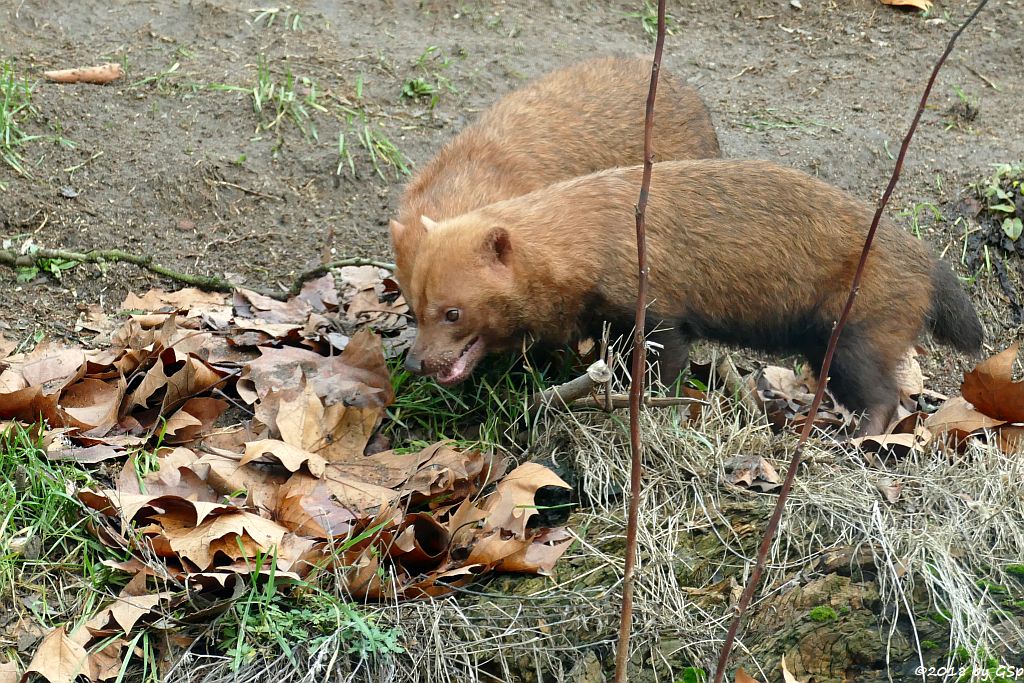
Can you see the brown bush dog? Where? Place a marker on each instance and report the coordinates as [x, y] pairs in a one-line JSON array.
[[746, 253], [574, 121]]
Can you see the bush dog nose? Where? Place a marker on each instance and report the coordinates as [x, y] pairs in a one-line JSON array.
[[413, 364]]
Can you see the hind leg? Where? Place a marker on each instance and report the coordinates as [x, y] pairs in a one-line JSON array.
[[861, 377]]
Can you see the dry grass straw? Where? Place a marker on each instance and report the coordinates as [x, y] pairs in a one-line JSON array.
[[958, 522]]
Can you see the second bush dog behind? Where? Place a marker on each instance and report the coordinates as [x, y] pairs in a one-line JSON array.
[[574, 121]]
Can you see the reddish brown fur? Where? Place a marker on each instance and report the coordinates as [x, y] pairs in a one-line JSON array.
[[572, 122], [745, 252]]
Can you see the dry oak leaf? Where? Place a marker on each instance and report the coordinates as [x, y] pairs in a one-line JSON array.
[[959, 418], [512, 504], [108, 659], [249, 304], [236, 533], [187, 299], [990, 387], [92, 403], [195, 417], [919, 4], [743, 677], [753, 472], [308, 506], [336, 432], [9, 672], [290, 457], [133, 602], [540, 556], [321, 294], [61, 658]]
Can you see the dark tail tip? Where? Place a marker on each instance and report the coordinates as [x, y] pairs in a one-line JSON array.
[[953, 320]]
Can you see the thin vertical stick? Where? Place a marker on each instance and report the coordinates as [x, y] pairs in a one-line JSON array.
[[639, 366], [773, 522]]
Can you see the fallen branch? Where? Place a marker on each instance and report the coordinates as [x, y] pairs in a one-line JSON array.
[[622, 401], [787, 484], [636, 384], [322, 270], [210, 283], [98, 75], [562, 395]]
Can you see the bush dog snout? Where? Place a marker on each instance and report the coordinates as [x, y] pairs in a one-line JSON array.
[[747, 253]]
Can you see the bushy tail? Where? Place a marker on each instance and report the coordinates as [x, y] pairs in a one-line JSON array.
[[953, 320]]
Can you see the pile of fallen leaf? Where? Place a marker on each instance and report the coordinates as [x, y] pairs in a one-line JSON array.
[[991, 407], [294, 481]]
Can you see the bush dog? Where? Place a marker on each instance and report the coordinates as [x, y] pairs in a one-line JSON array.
[[746, 253], [572, 122]]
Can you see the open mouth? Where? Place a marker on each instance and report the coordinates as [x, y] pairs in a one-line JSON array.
[[464, 364]]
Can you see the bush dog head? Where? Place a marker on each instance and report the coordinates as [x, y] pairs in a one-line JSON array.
[[741, 252], [466, 307], [579, 119]]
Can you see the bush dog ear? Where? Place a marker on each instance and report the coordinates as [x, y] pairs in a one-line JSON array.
[[398, 231], [498, 246], [428, 223]]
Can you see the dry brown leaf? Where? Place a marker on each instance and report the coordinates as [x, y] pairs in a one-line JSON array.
[[133, 603], [108, 659], [960, 419], [321, 293], [991, 390], [753, 472], [919, 4], [743, 677], [61, 658], [195, 417], [540, 556], [92, 403], [309, 508], [290, 457], [894, 445], [236, 533], [249, 304], [9, 672], [88, 455], [7, 347], [223, 473], [512, 503], [889, 489], [787, 677], [181, 300], [909, 377]]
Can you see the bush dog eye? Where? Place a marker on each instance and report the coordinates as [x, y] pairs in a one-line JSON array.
[[452, 315]]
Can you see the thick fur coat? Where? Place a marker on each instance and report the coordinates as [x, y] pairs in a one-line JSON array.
[[743, 252]]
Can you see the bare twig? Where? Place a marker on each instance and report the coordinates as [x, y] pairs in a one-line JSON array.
[[615, 401], [209, 283], [564, 394], [773, 522], [322, 270], [636, 384]]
